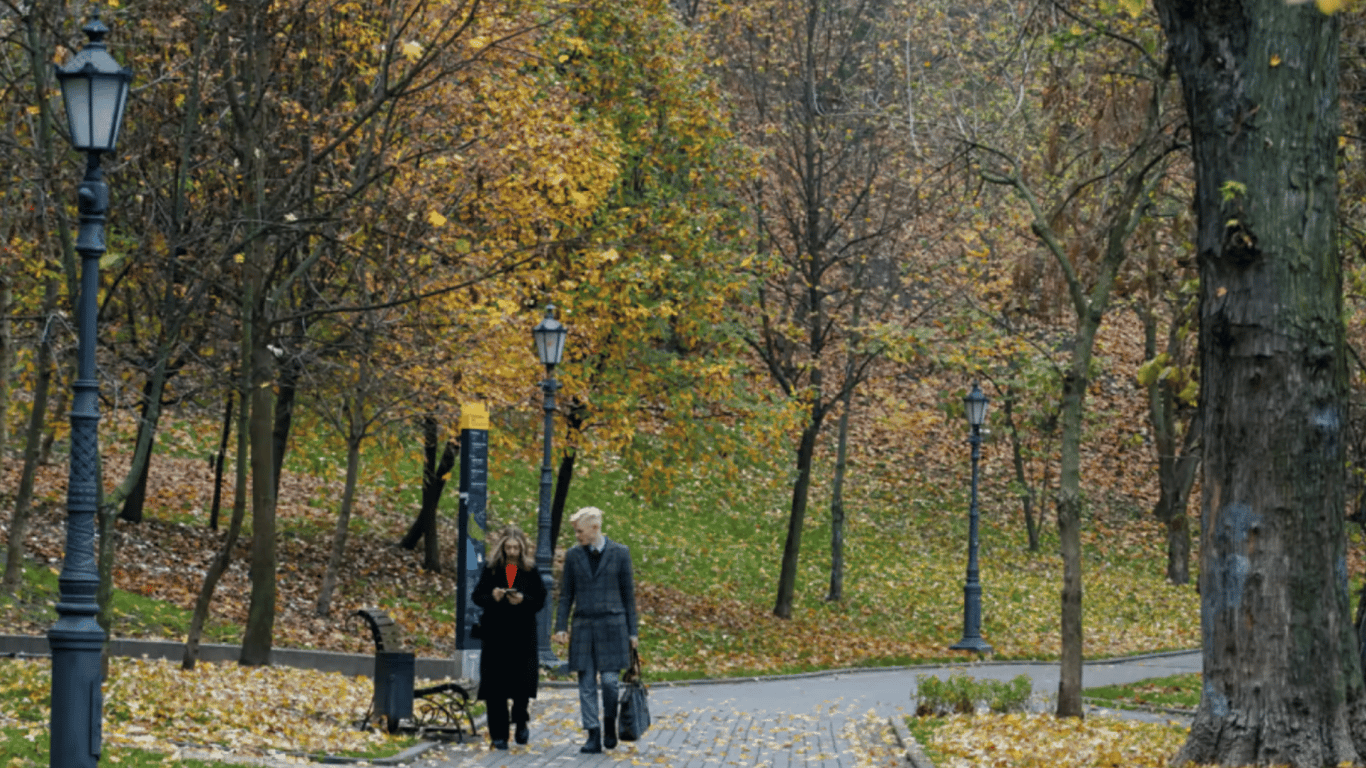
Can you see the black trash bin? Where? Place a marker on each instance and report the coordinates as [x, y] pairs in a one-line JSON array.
[[394, 686]]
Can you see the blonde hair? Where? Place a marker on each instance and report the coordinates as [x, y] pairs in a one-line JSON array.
[[497, 557], [588, 515]]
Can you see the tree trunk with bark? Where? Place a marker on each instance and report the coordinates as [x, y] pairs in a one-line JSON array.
[[434, 476], [1069, 531], [1017, 463], [1178, 455], [284, 416], [132, 506], [6, 366], [806, 450], [258, 637], [220, 563], [334, 561], [836, 591], [1282, 672]]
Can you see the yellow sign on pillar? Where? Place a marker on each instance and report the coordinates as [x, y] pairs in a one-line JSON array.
[[473, 416]]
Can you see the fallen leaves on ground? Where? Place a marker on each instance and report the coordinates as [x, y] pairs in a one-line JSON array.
[[1045, 741], [241, 710]]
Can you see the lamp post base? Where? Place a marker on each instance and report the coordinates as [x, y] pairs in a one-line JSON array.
[[975, 644]]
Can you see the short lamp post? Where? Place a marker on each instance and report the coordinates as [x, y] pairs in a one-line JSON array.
[[95, 90], [549, 335], [976, 403]]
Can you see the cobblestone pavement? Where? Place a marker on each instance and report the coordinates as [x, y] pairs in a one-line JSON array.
[[835, 720]]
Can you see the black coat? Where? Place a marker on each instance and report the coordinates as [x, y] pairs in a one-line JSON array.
[[509, 666]]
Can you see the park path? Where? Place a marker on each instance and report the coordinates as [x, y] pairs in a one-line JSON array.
[[829, 720]]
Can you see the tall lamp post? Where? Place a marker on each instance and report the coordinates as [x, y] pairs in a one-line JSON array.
[[95, 90], [976, 403], [549, 335]]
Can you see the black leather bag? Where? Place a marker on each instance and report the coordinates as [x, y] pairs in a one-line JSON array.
[[633, 711]]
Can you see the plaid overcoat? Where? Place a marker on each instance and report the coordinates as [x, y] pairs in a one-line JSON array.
[[604, 608]]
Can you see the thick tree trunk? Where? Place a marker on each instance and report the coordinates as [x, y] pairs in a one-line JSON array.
[[787, 579], [1282, 674], [260, 630], [334, 561], [1069, 531], [33, 436]]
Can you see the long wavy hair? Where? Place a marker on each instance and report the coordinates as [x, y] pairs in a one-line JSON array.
[[497, 558]]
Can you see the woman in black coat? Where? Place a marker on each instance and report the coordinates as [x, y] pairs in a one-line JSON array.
[[510, 592]]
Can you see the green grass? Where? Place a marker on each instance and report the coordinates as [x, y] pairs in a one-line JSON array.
[[1175, 692], [710, 550], [923, 728]]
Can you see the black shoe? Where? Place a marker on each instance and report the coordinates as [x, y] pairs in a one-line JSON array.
[[594, 744], [609, 732], [523, 733], [500, 744]]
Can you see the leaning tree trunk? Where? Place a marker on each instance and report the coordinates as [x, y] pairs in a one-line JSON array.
[[218, 463], [334, 562], [1282, 677], [220, 563], [133, 505], [434, 476], [787, 578]]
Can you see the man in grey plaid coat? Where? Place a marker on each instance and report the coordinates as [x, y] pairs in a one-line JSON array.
[[600, 586]]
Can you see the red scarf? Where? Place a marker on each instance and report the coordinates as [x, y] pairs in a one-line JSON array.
[[511, 574]]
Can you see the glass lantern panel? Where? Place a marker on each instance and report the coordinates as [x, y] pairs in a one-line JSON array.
[[76, 95], [105, 109]]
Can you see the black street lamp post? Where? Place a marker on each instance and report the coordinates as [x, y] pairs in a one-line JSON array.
[[549, 335], [95, 89], [976, 403]]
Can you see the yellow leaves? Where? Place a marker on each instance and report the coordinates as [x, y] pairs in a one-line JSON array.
[[1133, 7], [151, 703], [1029, 741], [436, 219], [412, 50], [1275, 60]]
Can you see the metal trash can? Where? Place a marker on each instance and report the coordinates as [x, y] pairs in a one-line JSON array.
[[394, 686]]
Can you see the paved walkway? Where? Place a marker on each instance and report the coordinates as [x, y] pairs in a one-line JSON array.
[[832, 720]]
